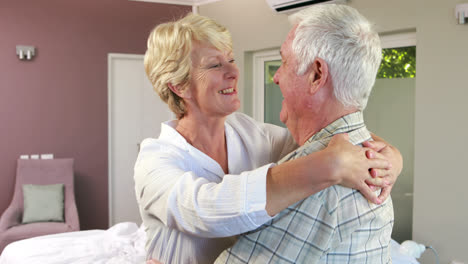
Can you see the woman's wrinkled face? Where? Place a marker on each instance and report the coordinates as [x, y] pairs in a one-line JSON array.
[[213, 83]]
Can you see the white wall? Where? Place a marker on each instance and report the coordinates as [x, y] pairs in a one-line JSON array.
[[440, 196], [441, 157]]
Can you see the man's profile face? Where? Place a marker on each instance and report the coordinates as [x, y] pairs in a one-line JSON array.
[[293, 87]]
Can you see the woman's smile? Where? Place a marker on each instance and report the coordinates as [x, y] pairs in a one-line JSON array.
[[228, 91]]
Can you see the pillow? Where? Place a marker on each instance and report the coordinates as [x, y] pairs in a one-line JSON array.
[[43, 203]]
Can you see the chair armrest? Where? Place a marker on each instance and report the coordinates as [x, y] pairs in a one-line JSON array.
[[71, 216], [10, 217]]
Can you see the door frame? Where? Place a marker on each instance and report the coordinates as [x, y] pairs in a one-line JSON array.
[[111, 58]]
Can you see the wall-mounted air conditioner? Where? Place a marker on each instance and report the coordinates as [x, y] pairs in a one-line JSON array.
[[293, 5]]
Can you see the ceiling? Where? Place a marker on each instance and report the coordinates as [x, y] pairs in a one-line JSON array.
[[180, 2]]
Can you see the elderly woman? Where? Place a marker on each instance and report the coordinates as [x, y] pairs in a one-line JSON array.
[[210, 175]]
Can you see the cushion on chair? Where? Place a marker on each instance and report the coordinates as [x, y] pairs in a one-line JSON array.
[[43, 203]]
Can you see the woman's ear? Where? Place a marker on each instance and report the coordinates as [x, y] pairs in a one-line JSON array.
[[318, 75], [179, 90]]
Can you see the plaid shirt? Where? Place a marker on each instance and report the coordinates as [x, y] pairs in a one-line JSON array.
[[335, 225]]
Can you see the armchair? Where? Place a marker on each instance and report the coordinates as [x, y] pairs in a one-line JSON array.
[[42, 172]]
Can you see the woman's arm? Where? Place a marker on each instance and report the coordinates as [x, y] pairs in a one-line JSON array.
[[339, 163], [169, 188], [282, 143]]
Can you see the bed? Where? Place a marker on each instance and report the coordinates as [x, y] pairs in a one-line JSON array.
[[121, 244]]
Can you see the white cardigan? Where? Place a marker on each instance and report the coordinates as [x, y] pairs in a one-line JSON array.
[[185, 198]]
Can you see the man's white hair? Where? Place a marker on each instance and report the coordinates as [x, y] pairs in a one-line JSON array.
[[345, 40]]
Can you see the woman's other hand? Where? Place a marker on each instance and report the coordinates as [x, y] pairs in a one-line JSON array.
[[339, 163], [352, 167], [383, 150]]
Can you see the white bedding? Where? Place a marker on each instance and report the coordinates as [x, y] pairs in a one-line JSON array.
[[398, 257], [123, 243]]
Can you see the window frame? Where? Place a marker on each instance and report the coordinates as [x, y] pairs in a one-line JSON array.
[[258, 95]]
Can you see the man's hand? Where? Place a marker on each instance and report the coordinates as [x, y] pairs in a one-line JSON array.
[[152, 261]]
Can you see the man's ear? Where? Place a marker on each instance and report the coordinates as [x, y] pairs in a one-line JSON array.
[[179, 90], [318, 75]]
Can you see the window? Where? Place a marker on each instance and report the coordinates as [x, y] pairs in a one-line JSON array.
[[398, 63]]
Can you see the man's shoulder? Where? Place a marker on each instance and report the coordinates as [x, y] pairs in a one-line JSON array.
[[331, 197], [337, 197]]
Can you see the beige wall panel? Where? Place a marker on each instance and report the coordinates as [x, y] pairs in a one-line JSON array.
[[441, 156]]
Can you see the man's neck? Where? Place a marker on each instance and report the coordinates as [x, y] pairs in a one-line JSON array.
[[310, 125]]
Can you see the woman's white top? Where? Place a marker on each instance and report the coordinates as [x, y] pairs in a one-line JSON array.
[[190, 208]]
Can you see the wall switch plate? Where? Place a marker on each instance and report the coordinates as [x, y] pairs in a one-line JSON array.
[[34, 156], [47, 156], [24, 157]]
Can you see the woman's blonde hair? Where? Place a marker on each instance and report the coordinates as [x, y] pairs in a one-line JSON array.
[[167, 58]]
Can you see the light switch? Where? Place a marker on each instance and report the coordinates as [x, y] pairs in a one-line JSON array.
[[47, 156]]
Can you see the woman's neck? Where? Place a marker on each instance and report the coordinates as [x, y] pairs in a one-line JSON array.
[[207, 135]]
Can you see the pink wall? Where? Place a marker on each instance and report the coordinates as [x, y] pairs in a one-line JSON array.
[[57, 103]]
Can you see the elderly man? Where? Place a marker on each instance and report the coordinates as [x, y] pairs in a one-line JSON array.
[[329, 62]]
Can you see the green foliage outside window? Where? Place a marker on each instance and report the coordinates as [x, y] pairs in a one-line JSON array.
[[398, 63], [270, 69]]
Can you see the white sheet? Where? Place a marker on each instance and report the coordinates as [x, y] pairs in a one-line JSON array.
[[398, 257], [123, 243]]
